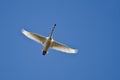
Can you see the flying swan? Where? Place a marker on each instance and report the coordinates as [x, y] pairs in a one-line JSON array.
[[48, 42]]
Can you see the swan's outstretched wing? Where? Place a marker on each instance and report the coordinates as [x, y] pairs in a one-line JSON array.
[[35, 37], [62, 47]]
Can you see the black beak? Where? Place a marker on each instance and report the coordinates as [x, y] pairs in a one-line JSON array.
[[54, 24]]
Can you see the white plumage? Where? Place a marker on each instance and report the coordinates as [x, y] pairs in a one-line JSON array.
[[48, 42]]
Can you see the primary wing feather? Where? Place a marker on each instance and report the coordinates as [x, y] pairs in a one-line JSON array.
[[35, 37], [61, 47]]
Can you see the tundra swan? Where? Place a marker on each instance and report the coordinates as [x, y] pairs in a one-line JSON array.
[[48, 42]]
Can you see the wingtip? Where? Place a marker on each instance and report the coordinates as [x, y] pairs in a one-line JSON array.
[[22, 30], [74, 51]]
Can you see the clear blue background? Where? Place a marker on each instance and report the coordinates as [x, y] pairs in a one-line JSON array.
[[91, 26]]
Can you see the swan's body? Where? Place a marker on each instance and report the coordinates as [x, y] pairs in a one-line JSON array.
[[48, 42]]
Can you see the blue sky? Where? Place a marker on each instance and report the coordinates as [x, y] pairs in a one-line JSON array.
[[91, 26]]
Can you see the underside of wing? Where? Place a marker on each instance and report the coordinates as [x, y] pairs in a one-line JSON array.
[[35, 37], [62, 47]]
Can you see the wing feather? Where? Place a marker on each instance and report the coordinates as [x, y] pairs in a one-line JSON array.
[[35, 37], [61, 47]]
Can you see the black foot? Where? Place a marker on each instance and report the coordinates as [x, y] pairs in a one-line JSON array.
[[44, 52]]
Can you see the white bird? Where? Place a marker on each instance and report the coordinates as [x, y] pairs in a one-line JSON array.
[[48, 42]]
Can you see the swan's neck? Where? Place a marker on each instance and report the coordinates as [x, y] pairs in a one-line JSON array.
[[52, 31]]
